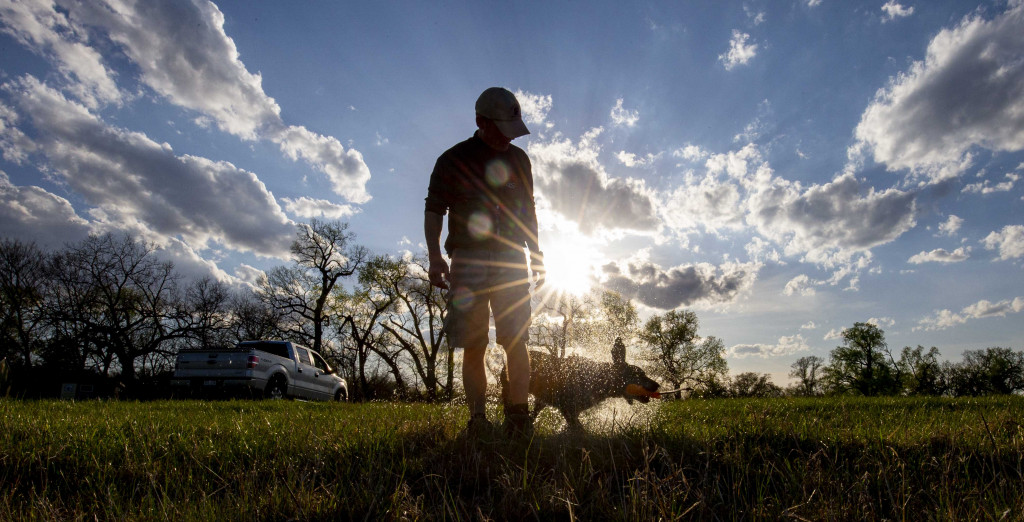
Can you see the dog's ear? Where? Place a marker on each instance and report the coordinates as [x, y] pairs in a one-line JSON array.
[[619, 352]]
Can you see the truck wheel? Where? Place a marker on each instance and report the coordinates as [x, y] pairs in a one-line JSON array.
[[340, 395], [277, 388]]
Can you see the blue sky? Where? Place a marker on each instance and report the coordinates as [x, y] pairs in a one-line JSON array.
[[784, 168]]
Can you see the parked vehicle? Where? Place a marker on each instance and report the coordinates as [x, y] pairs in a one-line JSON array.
[[272, 369]]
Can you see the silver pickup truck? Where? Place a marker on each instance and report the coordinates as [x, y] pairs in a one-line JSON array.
[[273, 369]]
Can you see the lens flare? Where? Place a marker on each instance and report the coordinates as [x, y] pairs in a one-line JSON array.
[[480, 225], [497, 173]]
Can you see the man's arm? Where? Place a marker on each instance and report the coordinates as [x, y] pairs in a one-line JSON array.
[[433, 223]]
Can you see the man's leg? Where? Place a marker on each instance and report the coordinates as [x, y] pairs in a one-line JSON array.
[[518, 362], [474, 380]]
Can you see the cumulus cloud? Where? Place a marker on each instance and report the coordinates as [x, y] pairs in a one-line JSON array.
[[986, 187], [787, 345], [52, 34], [882, 321], [535, 107], [683, 285], [951, 225], [622, 117], [306, 207], [709, 203], [740, 52], [183, 54], [800, 284], [132, 180], [576, 185], [830, 222], [894, 10], [967, 92], [1009, 242], [32, 214], [833, 334], [941, 255], [943, 319]]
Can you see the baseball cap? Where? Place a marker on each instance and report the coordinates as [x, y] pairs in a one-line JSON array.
[[501, 106]]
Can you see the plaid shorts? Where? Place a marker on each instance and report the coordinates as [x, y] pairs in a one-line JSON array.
[[482, 281]]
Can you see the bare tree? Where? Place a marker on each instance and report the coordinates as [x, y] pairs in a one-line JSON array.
[[122, 299], [416, 322], [323, 254], [23, 287]]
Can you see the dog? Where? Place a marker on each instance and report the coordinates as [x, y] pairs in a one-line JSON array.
[[575, 384]]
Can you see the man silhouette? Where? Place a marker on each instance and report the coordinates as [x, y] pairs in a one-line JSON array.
[[485, 185]]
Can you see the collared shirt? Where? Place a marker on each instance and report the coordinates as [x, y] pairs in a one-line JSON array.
[[489, 194]]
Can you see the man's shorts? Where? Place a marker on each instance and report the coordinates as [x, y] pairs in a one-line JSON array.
[[482, 281]]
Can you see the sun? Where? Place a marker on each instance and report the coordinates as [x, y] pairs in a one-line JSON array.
[[569, 269]]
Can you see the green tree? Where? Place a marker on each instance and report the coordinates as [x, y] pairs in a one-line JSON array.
[[679, 355], [922, 371], [860, 366], [992, 371], [753, 384], [808, 372]]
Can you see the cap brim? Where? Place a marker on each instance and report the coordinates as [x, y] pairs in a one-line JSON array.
[[512, 129]]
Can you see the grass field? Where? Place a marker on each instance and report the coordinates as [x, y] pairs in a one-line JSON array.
[[814, 459]]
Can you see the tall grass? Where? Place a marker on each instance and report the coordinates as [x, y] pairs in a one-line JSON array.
[[816, 459]]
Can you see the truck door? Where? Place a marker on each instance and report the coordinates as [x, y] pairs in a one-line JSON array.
[[305, 375], [323, 382]]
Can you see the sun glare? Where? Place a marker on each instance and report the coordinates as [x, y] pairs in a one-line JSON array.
[[568, 270]]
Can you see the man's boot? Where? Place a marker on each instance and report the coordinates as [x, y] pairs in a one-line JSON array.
[[518, 422]]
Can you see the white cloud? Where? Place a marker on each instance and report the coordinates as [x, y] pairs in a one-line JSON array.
[[894, 10], [143, 186], [943, 319], [787, 345], [1009, 241], [32, 214], [827, 223], [740, 52], [940, 255], [708, 203], [833, 334], [575, 184], [683, 285], [306, 207], [622, 117], [184, 55], [535, 107], [813, 3], [809, 326], [690, 153], [52, 34], [882, 321], [800, 284], [985, 187], [951, 225], [967, 92]]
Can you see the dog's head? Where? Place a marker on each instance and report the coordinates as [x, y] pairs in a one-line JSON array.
[[635, 384]]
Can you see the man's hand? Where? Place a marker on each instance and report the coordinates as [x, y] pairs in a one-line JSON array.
[[537, 267], [438, 272]]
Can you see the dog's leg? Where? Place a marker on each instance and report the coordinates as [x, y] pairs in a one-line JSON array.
[[537, 406], [572, 420]]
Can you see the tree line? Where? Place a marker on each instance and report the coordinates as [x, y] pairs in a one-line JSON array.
[[108, 306]]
